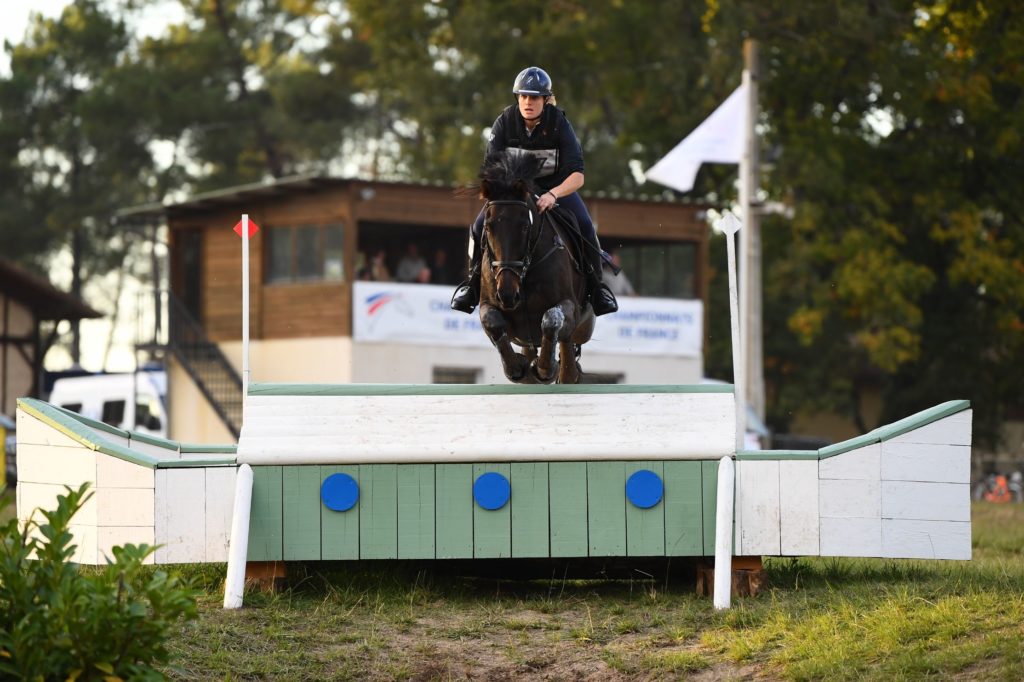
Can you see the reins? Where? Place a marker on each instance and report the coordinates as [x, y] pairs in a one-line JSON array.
[[520, 267]]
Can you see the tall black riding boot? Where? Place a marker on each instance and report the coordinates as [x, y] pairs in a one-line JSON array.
[[467, 295], [601, 297]]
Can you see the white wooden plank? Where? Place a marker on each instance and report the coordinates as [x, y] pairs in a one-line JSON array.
[[926, 501], [44, 495], [294, 429], [125, 507], [71, 466], [32, 431], [926, 539], [220, 500], [952, 430], [108, 537], [154, 450], [798, 507], [851, 537], [85, 541], [112, 472], [161, 511], [184, 516], [926, 462], [850, 499], [863, 463], [757, 503]]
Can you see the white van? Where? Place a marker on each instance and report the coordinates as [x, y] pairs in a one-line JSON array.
[[129, 401]]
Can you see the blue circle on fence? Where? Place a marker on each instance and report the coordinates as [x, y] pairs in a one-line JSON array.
[[339, 492], [492, 490], [644, 489]]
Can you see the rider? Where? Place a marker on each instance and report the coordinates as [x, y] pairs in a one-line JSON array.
[[538, 128]]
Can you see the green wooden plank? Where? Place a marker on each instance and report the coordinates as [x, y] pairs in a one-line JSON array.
[[530, 534], [645, 528], [492, 529], [684, 515], [567, 483], [480, 389], [265, 515], [300, 487], [606, 508], [454, 511], [416, 511], [339, 531], [709, 486], [378, 511]]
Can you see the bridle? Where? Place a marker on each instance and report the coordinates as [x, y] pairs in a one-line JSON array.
[[530, 238]]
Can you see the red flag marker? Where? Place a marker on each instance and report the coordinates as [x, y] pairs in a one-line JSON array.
[[253, 228]]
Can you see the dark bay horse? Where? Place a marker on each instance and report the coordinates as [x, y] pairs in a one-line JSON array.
[[532, 293]]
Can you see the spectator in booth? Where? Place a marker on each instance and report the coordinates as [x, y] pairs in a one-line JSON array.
[[619, 284], [440, 271], [411, 265], [379, 268]]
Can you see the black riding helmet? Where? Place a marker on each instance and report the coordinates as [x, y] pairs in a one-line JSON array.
[[533, 80]]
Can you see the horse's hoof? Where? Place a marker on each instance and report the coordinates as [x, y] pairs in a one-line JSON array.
[[537, 375]]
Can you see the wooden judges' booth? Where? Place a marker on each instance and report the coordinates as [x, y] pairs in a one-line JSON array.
[[314, 319]]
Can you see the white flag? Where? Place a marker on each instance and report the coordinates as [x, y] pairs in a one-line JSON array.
[[719, 139]]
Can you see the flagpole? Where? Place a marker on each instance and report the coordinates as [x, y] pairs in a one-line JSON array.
[[750, 242]]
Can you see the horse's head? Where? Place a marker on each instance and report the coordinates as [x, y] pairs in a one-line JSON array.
[[510, 221]]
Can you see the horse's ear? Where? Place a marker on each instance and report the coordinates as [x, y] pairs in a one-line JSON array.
[[485, 189]]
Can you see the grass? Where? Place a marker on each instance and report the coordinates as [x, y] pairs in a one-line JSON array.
[[832, 619]]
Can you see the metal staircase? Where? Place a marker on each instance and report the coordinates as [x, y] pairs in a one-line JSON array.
[[174, 330]]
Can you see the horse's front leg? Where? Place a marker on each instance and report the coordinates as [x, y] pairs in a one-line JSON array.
[[555, 327], [496, 327]]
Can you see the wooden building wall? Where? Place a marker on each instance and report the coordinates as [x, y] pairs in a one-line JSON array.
[[291, 310]]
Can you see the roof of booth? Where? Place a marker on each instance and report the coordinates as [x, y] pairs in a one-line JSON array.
[[478, 389]]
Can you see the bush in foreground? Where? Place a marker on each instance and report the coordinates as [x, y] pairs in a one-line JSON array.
[[59, 621]]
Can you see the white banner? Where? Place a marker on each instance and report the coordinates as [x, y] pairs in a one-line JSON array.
[[420, 314]]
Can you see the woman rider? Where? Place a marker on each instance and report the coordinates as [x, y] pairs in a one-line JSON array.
[[538, 128]]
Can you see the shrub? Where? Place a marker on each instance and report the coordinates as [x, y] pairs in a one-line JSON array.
[[60, 621]]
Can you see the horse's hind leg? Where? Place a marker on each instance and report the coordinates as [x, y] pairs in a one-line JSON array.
[[570, 372], [552, 326], [515, 365]]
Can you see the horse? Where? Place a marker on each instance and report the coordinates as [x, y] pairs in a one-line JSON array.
[[533, 292]]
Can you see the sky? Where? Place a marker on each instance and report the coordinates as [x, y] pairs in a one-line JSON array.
[[14, 16]]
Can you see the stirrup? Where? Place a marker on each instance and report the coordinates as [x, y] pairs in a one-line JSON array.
[[465, 298]]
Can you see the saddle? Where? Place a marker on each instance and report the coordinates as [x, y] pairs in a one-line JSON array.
[[579, 248]]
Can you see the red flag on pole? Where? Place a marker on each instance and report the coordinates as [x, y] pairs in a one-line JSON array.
[[253, 228]]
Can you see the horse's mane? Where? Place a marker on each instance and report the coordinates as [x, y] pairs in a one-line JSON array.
[[507, 176]]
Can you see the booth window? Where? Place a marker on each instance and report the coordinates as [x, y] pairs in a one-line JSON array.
[[304, 253], [661, 269], [456, 375]]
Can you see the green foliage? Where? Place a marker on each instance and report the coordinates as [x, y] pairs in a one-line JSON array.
[[59, 621]]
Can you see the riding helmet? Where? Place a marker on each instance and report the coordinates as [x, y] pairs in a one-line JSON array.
[[533, 80]]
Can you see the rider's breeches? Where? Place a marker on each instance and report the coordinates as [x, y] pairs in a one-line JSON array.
[[573, 203]]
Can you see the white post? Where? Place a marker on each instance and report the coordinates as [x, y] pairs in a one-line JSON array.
[[723, 534], [234, 585], [731, 225], [245, 311]]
